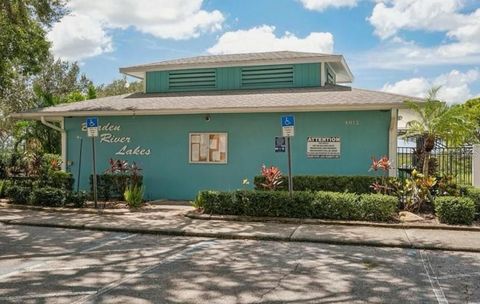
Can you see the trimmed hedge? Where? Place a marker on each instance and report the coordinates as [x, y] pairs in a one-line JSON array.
[[60, 180], [353, 184], [56, 179], [377, 207], [19, 194], [474, 194], [48, 196], [112, 186], [303, 204], [335, 206], [455, 210], [78, 199]]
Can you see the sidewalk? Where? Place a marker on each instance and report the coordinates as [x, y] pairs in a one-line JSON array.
[[171, 220]]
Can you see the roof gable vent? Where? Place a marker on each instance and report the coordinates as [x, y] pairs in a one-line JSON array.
[[267, 76], [192, 79]]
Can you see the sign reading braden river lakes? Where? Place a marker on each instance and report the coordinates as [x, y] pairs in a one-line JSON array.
[[323, 147], [109, 135]]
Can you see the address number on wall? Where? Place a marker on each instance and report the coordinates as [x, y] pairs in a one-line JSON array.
[[352, 122]]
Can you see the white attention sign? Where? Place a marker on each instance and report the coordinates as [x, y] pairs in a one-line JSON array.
[[323, 147]]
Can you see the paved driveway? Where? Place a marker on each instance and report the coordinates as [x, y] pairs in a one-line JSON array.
[[51, 265]]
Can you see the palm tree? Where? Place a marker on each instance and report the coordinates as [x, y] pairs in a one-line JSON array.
[[438, 121]]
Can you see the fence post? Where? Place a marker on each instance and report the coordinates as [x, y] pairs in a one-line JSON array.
[[476, 165]]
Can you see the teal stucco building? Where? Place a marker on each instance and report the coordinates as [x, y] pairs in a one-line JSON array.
[[208, 122]]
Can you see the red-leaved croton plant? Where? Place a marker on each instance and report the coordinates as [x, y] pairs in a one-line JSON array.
[[273, 177]]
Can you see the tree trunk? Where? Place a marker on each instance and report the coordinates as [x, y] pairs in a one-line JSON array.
[[426, 161]]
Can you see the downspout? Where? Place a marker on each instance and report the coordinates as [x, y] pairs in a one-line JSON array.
[[60, 129]]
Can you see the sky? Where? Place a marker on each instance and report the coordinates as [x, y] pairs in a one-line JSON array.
[[400, 46]]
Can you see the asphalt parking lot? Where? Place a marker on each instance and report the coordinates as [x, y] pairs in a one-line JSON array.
[[52, 265]]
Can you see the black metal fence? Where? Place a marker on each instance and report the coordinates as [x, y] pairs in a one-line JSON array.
[[454, 162]]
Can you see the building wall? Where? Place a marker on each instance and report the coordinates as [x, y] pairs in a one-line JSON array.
[[168, 173], [233, 78]]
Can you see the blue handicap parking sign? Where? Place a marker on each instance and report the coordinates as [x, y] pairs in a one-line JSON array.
[[92, 122], [288, 121]]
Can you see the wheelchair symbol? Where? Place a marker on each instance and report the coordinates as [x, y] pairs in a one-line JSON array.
[[92, 123], [287, 121]]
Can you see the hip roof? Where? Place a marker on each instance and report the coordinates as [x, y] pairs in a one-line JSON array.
[[330, 97]]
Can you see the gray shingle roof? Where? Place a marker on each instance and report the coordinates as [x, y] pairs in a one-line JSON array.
[[344, 74], [245, 57], [275, 100]]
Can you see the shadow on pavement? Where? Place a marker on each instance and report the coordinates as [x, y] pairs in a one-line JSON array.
[[45, 265]]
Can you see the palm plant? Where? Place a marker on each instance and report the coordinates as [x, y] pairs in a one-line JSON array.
[[438, 121]]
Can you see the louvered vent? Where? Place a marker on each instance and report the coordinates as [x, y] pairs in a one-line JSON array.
[[198, 79], [267, 76]]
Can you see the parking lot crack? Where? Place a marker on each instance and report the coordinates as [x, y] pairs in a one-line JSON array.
[[408, 238], [175, 256], [293, 232], [279, 282]]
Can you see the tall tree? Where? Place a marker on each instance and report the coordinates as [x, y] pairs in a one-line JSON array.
[[23, 52], [23, 44], [119, 87], [472, 108], [58, 82], [438, 121]]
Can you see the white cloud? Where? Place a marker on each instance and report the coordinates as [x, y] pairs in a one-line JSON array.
[[410, 87], [321, 5], [462, 32], [455, 85], [180, 19], [72, 42], [390, 16], [263, 39]]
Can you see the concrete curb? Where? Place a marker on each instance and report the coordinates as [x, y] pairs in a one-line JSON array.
[[180, 232], [68, 209], [235, 218], [286, 220]]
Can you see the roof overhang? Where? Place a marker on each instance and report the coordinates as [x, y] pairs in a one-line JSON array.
[[338, 63], [326, 108], [342, 71]]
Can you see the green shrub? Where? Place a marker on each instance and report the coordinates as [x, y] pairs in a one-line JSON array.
[[134, 196], [3, 164], [56, 179], [4, 184], [112, 186], [302, 204], [202, 198], [455, 210], [23, 181], [474, 194], [60, 180], [49, 163], [48, 196], [274, 203], [78, 199], [335, 205], [19, 194], [377, 207], [354, 184]]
